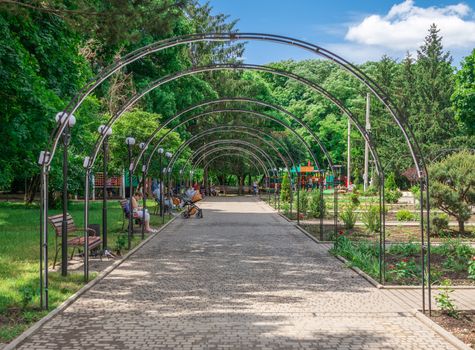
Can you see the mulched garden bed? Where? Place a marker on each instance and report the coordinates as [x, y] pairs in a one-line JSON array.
[[394, 234], [462, 327], [438, 271]]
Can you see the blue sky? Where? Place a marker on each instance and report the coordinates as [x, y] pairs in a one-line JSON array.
[[358, 30]]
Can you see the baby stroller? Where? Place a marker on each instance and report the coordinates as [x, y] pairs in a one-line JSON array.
[[190, 208]]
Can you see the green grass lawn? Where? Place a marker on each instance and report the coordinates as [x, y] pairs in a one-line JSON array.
[[19, 261]]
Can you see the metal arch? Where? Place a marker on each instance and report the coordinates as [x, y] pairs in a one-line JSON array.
[[289, 75], [241, 149], [47, 155], [245, 150], [234, 148], [229, 110], [310, 84], [191, 38], [230, 155], [197, 152], [218, 130], [249, 129]]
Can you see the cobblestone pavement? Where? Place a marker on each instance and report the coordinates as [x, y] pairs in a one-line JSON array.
[[240, 278]]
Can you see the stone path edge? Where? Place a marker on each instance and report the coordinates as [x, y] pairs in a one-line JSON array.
[[23, 336], [452, 339]]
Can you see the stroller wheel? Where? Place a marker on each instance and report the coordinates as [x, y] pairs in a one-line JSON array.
[[200, 214], [185, 214]]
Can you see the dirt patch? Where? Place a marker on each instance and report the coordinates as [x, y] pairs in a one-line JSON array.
[[462, 327]]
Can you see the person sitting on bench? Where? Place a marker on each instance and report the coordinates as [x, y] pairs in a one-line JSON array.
[[139, 211]]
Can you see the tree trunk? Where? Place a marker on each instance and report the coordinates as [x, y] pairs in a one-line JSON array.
[[32, 188], [461, 226]]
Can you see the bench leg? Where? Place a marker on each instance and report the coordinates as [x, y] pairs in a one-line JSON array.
[[72, 254], [56, 256]]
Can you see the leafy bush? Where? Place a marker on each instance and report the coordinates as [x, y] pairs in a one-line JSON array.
[[304, 199], [392, 196], [457, 254], [362, 254], [404, 249], [453, 186], [314, 204], [404, 269], [26, 294], [120, 243], [371, 219], [444, 300], [440, 223], [405, 215], [390, 183], [471, 268], [355, 199], [348, 216], [285, 189]]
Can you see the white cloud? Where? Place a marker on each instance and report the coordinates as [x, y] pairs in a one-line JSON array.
[[404, 27]]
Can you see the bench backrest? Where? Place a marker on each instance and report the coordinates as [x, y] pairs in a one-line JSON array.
[[124, 203], [57, 222]]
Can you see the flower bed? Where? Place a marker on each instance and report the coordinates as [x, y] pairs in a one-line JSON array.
[[451, 260]]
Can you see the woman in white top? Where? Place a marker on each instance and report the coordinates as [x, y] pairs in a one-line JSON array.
[[139, 211]]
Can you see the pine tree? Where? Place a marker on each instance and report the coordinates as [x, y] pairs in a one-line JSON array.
[[432, 117]]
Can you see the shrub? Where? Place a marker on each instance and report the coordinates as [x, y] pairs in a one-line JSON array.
[[405, 215], [361, 254], [471, 268], [355, 199], [404, 269], [440, 223], [392, 196], [314, 205], [444, 300], [120, 243], [285, 189], [390, 183], [404, 249], [348, 216], [26, 294], [371, 219], [453, 186], [304, 199]]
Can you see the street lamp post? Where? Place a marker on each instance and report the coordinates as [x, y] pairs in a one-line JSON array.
[[181, 180], [167, 170], [298, 197], [170, 201], [160, 156], [130, 141], [279, 188], [60, 117], [275, 187], [106, 131], [142, 146]]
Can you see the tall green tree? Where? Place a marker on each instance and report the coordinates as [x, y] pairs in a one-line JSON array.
[[463, 97], [432, 119]]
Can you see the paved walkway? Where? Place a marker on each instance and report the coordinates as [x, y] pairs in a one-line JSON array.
[[241, 278]]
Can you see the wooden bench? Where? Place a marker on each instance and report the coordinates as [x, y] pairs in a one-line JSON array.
[[125, 215], [77, 241]]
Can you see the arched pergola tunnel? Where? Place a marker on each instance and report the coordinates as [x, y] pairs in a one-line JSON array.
[[198, 157], [240, 130], [47, 155], [212, 147]]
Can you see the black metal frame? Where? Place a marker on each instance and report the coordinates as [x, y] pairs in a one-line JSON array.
[[47, 155]]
